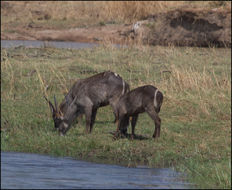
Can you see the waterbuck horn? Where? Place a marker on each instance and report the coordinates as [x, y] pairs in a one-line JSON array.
[[51, 106], [55, 102]]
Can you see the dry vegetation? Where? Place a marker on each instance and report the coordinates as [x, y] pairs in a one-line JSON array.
[[90, 12], [96, 21]]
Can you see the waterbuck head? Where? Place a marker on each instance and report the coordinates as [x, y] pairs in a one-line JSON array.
[[57, 115]]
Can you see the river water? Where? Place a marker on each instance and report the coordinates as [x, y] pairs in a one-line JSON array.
[[24, 171], [39, 44]]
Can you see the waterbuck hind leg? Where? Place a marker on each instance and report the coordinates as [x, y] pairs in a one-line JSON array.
[[119, 124], [152, 113], [114, 112]]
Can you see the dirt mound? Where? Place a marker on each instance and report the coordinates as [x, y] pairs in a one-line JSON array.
[[186, 28]]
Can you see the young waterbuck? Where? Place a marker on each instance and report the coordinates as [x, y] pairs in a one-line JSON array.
[[142, 99], [85, 97]]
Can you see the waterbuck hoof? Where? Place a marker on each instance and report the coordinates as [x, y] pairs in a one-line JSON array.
[[116, 133], [155, 137]]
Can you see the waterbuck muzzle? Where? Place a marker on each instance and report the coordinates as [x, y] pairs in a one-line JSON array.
[[63, 127]]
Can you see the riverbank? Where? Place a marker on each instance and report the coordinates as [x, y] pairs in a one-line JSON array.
[[196, 113], [203, 24]]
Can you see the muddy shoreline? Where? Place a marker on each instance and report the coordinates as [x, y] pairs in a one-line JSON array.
[[181, 27], [89, 35]]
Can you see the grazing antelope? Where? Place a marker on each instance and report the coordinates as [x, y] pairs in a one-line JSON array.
[[142, 99], [85, 97]]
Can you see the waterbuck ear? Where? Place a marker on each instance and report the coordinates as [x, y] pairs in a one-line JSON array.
[[53, 110]]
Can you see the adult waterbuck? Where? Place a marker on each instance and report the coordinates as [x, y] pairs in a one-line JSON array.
[[85, 97], [142, 99]]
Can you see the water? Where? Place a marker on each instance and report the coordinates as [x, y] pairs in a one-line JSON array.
[[21, 170], [56, 44], [39, 44]]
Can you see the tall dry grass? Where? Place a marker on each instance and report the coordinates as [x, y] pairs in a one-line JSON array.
[[121, 11], [187, 86]]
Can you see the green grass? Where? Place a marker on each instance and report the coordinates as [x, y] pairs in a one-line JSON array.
[[196, 113]]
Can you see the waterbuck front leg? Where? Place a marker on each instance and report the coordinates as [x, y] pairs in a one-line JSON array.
[[88, 117], [93, 116], [152, 113], [133, 123]]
